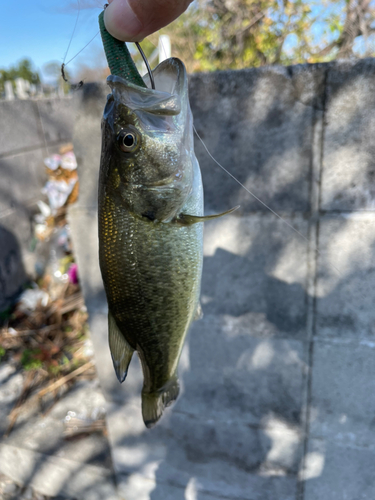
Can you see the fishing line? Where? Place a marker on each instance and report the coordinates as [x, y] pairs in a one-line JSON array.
[[74, 29], [162, 45], [64, 65], [83, 48]]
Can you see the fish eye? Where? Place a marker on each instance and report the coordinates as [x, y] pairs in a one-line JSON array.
[[128, 140]]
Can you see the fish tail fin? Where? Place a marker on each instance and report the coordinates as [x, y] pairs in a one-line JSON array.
[[121, 351], [153, 403]]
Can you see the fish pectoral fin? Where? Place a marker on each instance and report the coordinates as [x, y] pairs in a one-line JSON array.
[[186, 219], [198, 312], [121, 351], [154, 403]]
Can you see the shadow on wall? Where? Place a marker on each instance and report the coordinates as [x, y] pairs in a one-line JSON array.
[[12, 272]]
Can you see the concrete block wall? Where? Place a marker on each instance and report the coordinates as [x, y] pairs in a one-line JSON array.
[[278, 377], [30, 131]]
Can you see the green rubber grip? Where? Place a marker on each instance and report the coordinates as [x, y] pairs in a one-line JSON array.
[[118, 56]]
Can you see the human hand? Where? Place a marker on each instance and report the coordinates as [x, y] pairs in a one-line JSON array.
[[133, 20]]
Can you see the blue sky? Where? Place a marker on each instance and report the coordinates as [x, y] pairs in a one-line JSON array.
[[41, 30]]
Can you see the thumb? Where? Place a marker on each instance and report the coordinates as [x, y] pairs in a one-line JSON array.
[[133, 20]]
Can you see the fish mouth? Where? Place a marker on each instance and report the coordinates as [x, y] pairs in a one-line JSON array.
[[170, 81]]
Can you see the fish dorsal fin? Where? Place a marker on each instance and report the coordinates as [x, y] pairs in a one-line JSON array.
[[187, 220], [121, 351]]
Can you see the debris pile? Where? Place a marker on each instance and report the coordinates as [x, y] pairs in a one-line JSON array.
[[45, 333]]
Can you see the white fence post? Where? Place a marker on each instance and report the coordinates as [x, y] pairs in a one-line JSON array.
[[164, 47], [9, 94]]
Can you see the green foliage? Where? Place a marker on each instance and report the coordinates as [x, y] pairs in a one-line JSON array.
[[23, 69], [234, 34], [31, 359], [2, 352]]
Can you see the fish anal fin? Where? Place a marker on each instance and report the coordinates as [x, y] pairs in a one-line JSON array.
[[187, 220], [121, 351], [154, 403]]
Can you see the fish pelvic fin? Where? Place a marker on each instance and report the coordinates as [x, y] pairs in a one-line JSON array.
[[187, 220], [121, 351], [154, 403]]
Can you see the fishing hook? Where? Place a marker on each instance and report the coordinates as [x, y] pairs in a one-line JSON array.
[[147, 65]]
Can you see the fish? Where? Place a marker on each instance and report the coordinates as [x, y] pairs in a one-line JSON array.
[[150, 213]]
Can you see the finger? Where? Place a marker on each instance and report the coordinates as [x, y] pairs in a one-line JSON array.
[[133, 20]]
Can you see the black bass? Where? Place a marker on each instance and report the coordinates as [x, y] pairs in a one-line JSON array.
[[150, 228], [150, 257]]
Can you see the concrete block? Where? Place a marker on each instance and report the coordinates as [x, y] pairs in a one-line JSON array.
[[256, 267], [19, 223], [342, 406], [21, 127], [57, 118], [22, 178], [218, 459], [54, 476], [12, 271], [337, 472], [89, 103], [229, 375], [345, 291], [258, 124], [349, 154]]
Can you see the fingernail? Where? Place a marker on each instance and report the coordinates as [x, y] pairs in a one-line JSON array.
[[121, 22]]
